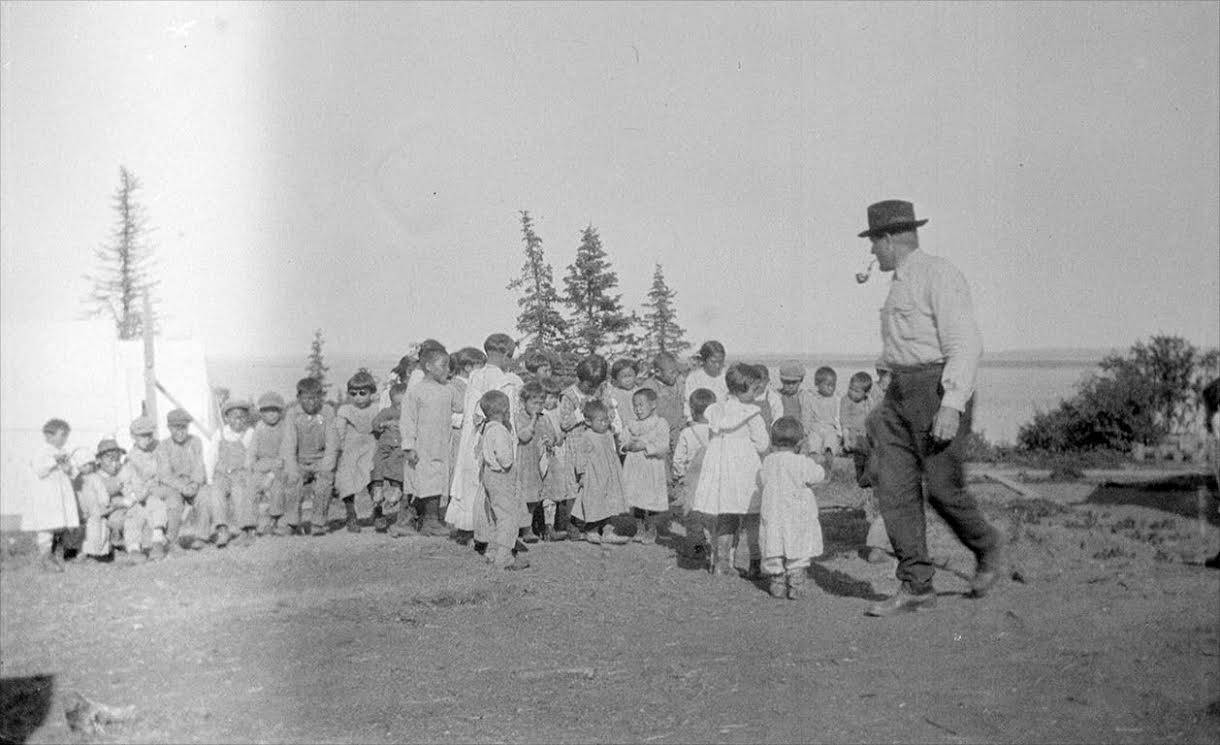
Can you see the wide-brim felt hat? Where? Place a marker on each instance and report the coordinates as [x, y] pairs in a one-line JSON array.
[[891, 216], [108, 446]]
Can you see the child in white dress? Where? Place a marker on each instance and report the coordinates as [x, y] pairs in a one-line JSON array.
[[709, 374], [728, 491], [789, 529], [52, 507], [646, 446]]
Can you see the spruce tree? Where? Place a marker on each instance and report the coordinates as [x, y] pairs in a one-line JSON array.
[[539, 319], [597, 318], [660, 322], [123, 277], [316, 367]]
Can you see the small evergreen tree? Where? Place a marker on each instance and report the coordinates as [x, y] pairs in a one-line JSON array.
[[123, 277], [597, 318], [316, 367], [539, 319], [660, 322]]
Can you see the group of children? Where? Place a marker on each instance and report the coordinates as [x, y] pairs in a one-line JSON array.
[[507, 459]]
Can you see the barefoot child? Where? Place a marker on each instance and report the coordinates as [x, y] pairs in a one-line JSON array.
[[645, 481], [388, 462], [355, 444], [789, 530], [599, 475], [728, 483], [497, 451], [52, 501], [426, 426]]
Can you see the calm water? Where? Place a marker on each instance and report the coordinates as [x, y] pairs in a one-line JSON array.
[[1008, 395]]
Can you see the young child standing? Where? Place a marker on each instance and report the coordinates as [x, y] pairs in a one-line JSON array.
[[265, 461], [645, 478], [853, 411], [767, 398], [462, 365], [503, 509], [309, 451], [666, 380], [789, 530], [52, 501], [389, 465], [355, 444], [466, 494], [709, 374], [599, 475], [426, 426], [728, 482], [623, 375], [825, 433], [687, 463], [534, 437], [557, 480]]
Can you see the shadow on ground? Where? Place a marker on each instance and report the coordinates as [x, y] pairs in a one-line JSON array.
[[24, 706], [1178, 495]]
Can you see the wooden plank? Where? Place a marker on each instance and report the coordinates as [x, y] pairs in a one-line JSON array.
[[1013, 484], [150, 369]]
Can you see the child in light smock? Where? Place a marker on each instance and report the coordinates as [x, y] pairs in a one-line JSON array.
[[728, 493], [354, 440], [789, 530], [646, 445], [503, 509], [52, 506], [687, 462], [709, 374]]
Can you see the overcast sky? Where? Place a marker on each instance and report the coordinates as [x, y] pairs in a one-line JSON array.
[[359, 167]]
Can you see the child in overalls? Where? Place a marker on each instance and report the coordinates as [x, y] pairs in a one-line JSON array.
[[230, 487]]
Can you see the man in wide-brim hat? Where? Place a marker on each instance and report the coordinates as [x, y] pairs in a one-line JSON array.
[[931, 344]]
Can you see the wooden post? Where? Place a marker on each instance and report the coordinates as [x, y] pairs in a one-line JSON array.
[[150, 368]]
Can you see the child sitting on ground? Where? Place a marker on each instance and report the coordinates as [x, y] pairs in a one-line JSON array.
[[646, 445], [388, 463], [502, 506], [52, 506], [824, 433], [599, 475], [152, 504], [789, 530], [728, 492]]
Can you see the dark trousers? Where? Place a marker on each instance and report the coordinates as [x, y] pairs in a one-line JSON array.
[[909, 464]]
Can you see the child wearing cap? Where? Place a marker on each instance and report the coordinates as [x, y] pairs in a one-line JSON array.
[[265, 462], [52, 500], [389, 467], [135, 517], [101, 494], [353, 427], [180, 469], [308, 449], [152, 501], [229, 480]]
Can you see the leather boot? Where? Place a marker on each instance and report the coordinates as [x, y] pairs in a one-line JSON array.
[[432, 525], [380, 524], [405, 524], [349, 506], [796, 584]]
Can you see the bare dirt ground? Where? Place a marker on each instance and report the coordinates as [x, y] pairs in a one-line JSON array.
[[1112, 636]]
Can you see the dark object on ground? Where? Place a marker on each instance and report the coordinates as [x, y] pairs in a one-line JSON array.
[[24, 705], [91, 717]]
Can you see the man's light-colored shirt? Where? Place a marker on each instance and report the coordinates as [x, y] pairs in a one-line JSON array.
[[928, 318]]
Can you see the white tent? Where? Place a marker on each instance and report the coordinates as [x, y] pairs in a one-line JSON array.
[[82, 373]]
